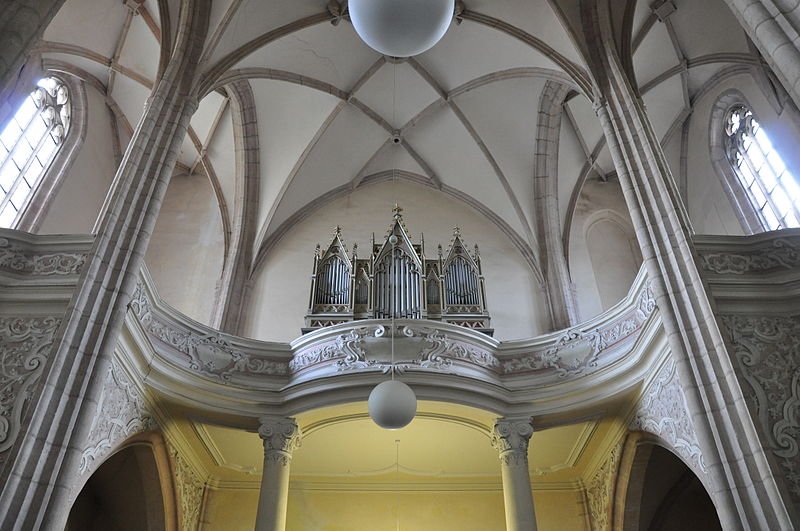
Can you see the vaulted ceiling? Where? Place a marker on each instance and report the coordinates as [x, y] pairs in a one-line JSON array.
[[333, 115]]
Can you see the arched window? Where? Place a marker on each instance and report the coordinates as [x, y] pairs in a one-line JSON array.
[[771, 188], [28, 145]]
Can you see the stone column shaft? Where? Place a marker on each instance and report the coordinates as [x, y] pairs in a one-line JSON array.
[[742, 484], [281, 437], [22, 24], [42, 466], [510, 437], [774, 27]]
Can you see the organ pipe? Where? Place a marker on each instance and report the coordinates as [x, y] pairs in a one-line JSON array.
[[396, 279]]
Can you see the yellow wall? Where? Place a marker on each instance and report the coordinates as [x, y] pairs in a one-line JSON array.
[[316, 510]]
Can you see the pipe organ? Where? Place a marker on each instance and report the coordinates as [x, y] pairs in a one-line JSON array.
[[397, 280]]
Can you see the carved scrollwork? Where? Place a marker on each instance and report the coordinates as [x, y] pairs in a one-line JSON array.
[[281, 437], [19, 260], [25, 346], [121, 412], [782, 254], [663, 412], [600, 491], [767, 352], [440, 351], [189, 488], [510, 437], [347, 348], [211, 354], [572, 354], [577, 352]]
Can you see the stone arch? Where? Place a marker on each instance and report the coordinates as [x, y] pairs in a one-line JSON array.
[[618, 240], [638, 503], [135, 482]]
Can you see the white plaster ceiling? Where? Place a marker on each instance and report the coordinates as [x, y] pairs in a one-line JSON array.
[[466, 109]]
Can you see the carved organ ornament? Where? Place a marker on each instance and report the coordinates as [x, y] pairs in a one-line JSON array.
[[397, 281]]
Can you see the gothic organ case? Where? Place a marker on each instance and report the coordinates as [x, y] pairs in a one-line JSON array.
[[397, 280]]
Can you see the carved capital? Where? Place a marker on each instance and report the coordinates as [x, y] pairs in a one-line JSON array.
[[281, 437], [510, 437]]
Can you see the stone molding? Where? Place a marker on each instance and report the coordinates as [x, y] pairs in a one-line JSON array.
[[121, 413], [361, 346], [510, 437], [281, 437], [764, 256], [22, 254], [662, 411], [25, 347], [767, 356]]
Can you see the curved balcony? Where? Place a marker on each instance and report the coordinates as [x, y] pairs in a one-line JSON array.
[[217, 373]]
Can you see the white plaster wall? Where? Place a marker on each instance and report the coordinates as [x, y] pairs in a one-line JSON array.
[[186, 251], [78, 200], [603, 254], [709, 208], [279, 299]]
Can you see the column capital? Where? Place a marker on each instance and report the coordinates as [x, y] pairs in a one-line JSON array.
[[281, 436], [510, 436]]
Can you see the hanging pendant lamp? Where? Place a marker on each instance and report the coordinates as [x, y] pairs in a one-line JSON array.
[[401, 28]]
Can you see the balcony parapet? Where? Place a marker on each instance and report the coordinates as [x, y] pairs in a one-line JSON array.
[[191, 359], [38, 273], [752, 274]]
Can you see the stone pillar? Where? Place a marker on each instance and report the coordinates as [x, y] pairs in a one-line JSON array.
[[40, 468], [774, 27], [510, 437], [741, 481], [281, 437], [22, 24]]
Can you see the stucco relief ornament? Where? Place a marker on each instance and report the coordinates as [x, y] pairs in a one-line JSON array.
[[121, 412], [510, 437], [440, 351], [189, 489], [17, 260], [600, 491], [767, 351], [782, 254], [25, 346], [573, 353], [211, 355], [347, 349], [663, 412]]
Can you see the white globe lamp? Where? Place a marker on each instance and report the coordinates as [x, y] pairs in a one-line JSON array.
[[401, 28], [392, 405]]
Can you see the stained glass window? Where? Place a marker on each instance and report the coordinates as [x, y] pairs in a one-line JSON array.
[[772, 189], [28, 145]]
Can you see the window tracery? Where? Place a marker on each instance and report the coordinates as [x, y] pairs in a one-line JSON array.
[[772, 190], [29, 144]]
